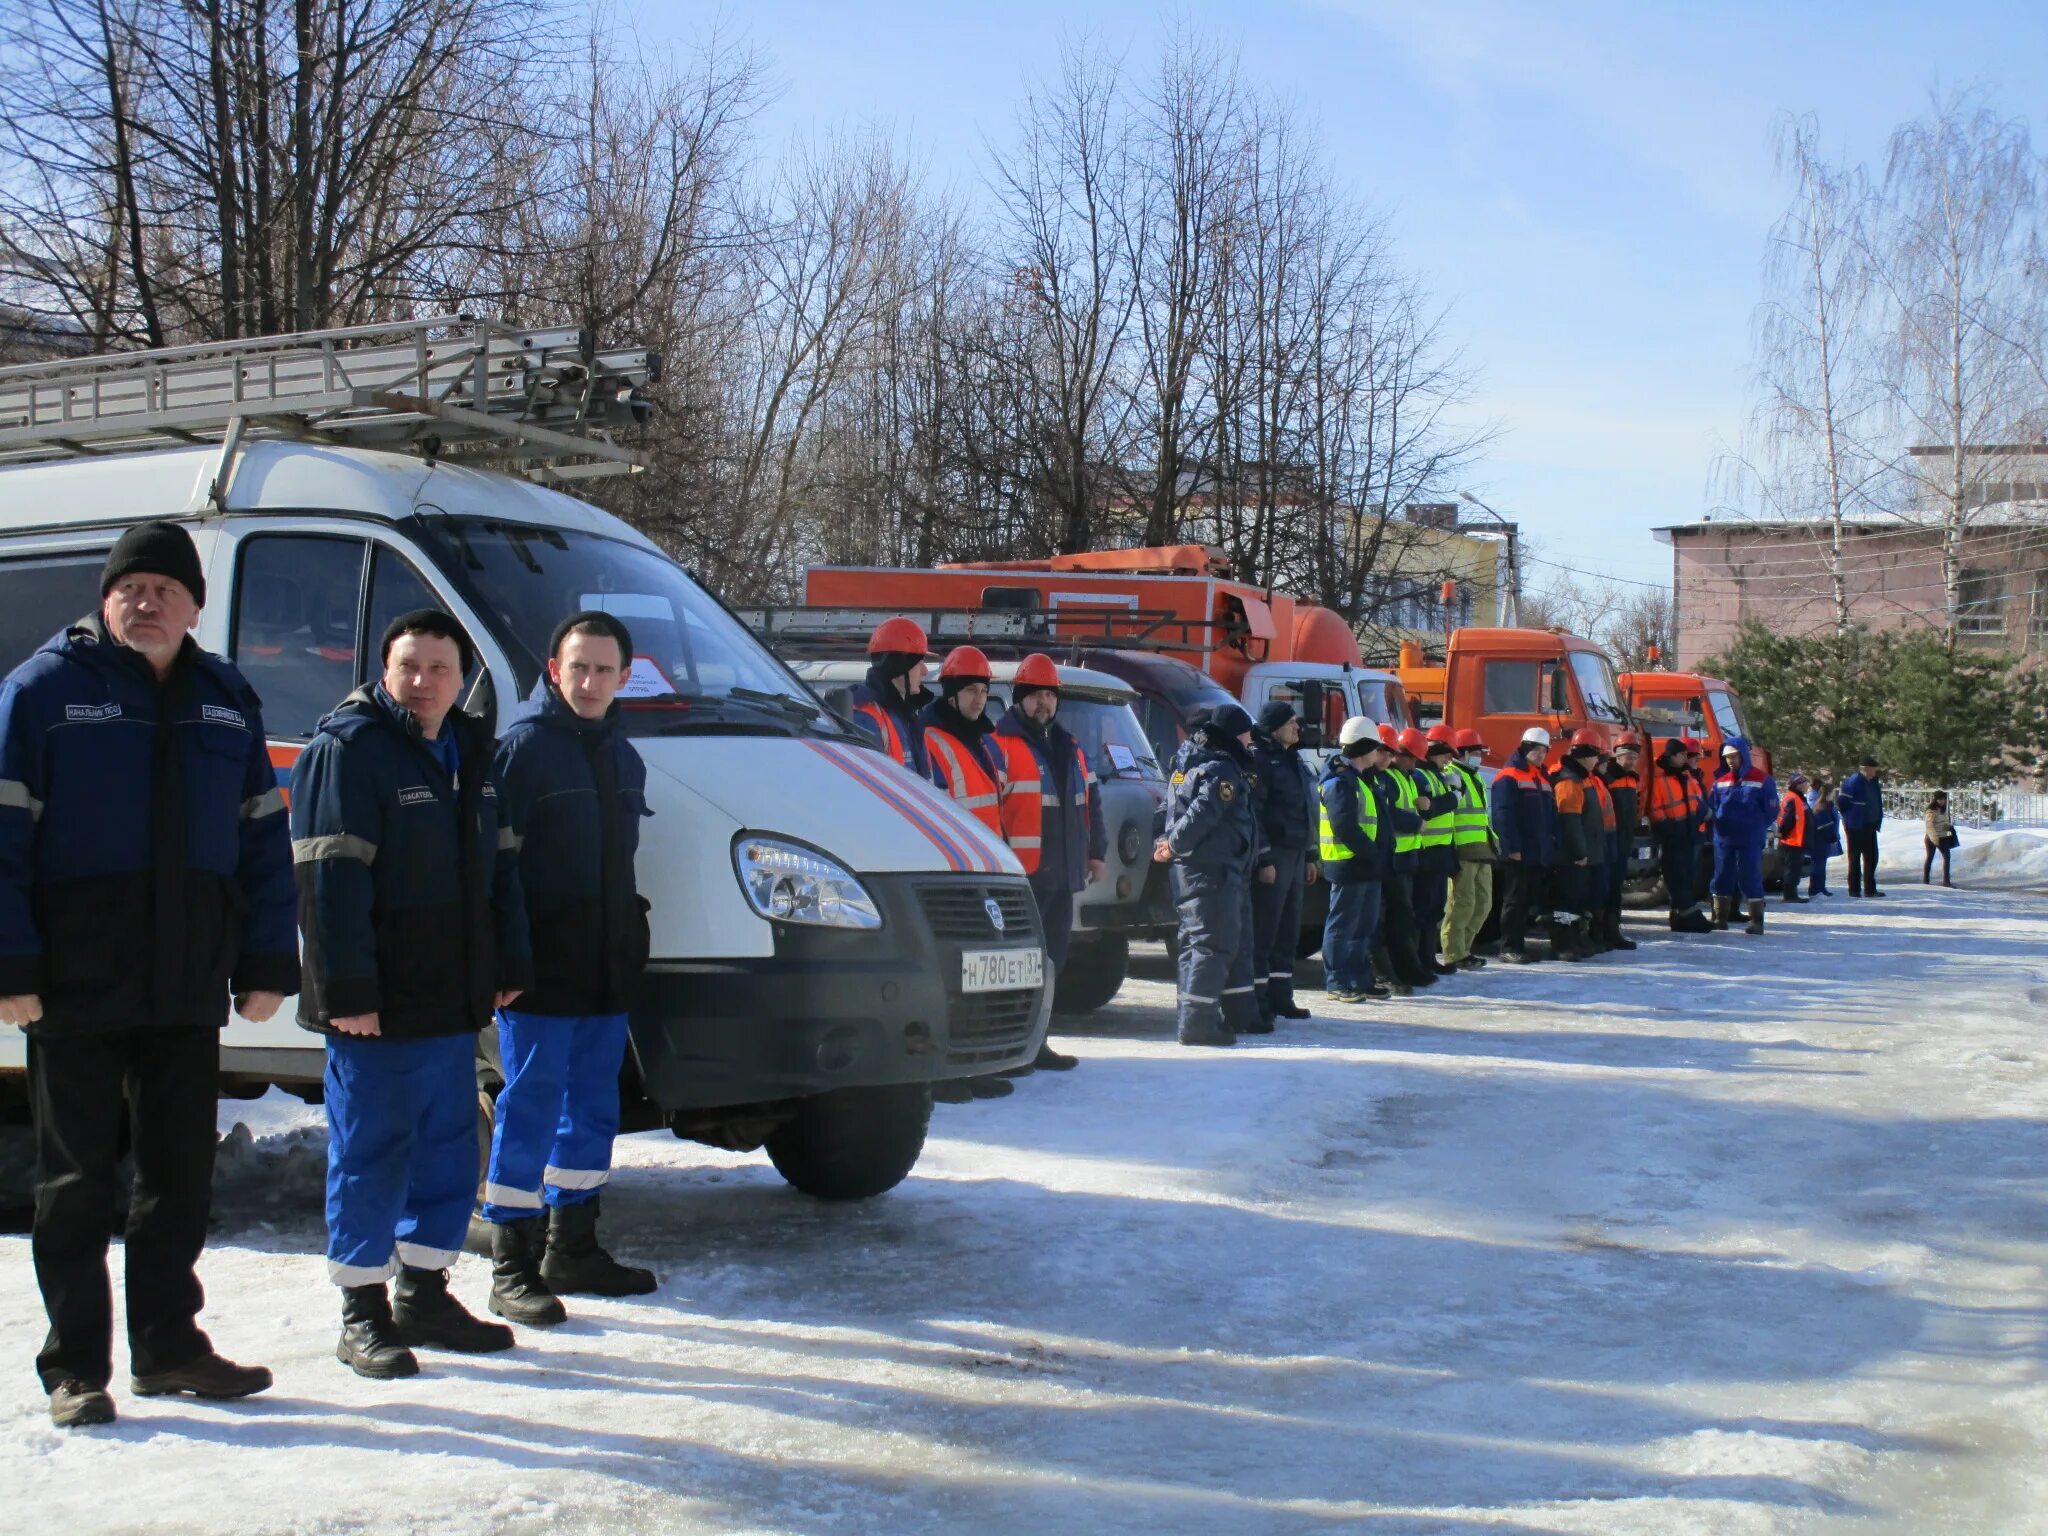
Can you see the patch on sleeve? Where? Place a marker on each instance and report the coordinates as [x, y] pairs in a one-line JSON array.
[[1227, 790], [220, 714], [1180, 776]]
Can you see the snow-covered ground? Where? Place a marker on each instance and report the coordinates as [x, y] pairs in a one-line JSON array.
[[1732, 1235]]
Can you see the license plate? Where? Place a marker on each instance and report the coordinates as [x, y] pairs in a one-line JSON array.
[[1001, 970]]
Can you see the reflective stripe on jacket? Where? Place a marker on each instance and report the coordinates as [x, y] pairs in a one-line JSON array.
[[1409, 799], [1440, 830], [1358, 816], [962, 773]]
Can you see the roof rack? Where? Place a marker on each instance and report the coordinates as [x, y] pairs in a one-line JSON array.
[[1133, 629], [455, 386]]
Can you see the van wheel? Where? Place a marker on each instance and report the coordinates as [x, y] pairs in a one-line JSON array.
[[853, 1143], [1093, 974]]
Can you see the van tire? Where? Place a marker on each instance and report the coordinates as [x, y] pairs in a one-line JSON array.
[[853, 1143], [1094, 974]]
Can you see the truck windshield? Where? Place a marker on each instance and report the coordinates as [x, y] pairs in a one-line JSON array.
[[525, 579], [1727, 713], [1382, 701], [1595, 675]]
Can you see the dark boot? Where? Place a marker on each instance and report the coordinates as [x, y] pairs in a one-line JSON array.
[[991, 1086], [75, 1405], [1616, 939], [576, 1266], [428, 1316], [1050, 1060], [1723, 906], [208, 1376], [370, 1345], [1516, 957], [518, 1294], [1756, 918]]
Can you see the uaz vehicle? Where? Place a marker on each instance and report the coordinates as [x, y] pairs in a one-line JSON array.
[[819, 918]]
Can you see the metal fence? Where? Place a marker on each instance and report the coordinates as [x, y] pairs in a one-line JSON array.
[[1973, 805]]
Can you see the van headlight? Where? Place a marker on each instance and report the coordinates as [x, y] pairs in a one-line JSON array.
[[789, 883]]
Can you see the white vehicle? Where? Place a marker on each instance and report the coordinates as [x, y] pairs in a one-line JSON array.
[[1132, 900], [824, 925]]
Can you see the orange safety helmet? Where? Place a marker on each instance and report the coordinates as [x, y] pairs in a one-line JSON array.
[[1442, 733], [1035, 671], [1586, 736], [899, 637], [1389, 736], [1468, 739], [1414, 743], [966, 664]]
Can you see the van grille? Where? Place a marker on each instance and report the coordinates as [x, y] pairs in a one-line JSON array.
[[958, 911], [988, 1026]]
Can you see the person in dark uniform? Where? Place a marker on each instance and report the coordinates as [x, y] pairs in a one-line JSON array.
[[1400, 800], [889, 700], [145, 877], [1624, 793], [1354, 859], [1581, 880], [1744, 802], [1436, 862], [415, 933], [1211, 836], [1051, 812], [1676, 812], [1522, 809], [576, 790], [1286, 795]]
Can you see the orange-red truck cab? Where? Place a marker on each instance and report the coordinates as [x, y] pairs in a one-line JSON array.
[[1668, 704], [1499, 682]]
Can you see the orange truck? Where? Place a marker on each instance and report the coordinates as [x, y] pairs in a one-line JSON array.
[[1499, 682], [1260, 644], [1667, 704]]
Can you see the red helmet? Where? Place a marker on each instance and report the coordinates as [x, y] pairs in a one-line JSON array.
[[1469, 741], [1389, 736], [1628, 741], [1586, 736], [1442, 733], [1036, 671], [898, 637], [1691, 744], [966, 663], [1414, 743]]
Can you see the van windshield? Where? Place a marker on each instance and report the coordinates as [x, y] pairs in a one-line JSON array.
[[524, 580], [1595, 675]]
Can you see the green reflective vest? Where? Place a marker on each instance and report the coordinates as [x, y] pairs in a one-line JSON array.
[[1470, 821], [1406, 796], [1368, 823], [1437, 831]]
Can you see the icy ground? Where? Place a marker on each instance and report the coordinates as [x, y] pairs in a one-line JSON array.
[[1735, 1235]]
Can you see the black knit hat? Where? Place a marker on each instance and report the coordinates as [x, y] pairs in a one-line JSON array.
[[1275, 715], [161, 549], [593, 621], [427, 621]]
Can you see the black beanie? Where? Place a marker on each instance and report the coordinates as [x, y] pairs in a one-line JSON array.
[[427, 621], [593, 621], [1275, 715], [160, 549]]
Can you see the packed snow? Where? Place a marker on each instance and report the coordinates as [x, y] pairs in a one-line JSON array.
[[1731, 1235]]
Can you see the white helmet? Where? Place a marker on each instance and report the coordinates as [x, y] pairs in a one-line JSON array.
[[1357, 729], [1537, 734]]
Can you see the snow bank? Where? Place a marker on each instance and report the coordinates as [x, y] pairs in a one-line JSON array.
[[1989, 858]]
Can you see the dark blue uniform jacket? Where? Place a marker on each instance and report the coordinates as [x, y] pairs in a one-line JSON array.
[[1209, 821], [1339, 790], [409, 895], [575, 791], [1522, 809], [144, 864], [1860, 801], [1288, 815], [1744, 803]]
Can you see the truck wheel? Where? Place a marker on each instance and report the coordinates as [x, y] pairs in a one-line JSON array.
[[1093, 974], [853, 1143]]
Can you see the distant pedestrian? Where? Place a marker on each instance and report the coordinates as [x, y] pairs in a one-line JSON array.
[[1286, 796], [1940, 839], [145, 877], [1826, 836], [1861, 802], [1744, 802], [1795, 836], [1354, 857]]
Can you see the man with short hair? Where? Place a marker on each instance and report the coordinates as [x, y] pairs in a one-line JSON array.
[[575, 790], [415, 932], [145, 877], [1860, 801]]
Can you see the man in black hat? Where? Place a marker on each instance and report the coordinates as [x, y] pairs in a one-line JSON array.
[[145, 877], [1860, 801], [416, 932], [1289, 815]]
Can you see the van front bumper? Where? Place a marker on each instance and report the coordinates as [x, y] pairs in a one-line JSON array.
[[836, 1008]]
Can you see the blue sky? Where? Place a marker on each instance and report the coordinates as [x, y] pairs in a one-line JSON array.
[[1586, 186]]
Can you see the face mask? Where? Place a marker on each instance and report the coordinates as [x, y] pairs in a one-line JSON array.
[[1474, 759]]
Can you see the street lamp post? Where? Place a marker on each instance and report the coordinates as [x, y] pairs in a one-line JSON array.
[[1510, 531]]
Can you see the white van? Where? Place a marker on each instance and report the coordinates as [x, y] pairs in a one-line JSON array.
[[817, 911]]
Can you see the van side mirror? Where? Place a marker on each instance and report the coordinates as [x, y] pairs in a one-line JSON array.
[[1310, 707]]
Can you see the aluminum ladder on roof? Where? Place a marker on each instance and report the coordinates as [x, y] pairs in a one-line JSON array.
[[452, 386]]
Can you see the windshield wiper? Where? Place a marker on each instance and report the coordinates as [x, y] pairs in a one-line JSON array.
[[788, 703]]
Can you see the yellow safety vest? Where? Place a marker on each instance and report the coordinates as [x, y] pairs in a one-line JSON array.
[[1472, 824], [1408, 799], [1438, 831], [1368, 823]]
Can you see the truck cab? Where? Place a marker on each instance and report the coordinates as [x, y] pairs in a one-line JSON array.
[[1500, 682], [1691, 704]]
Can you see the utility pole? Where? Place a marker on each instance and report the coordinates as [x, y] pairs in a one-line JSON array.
[[1511, 532]]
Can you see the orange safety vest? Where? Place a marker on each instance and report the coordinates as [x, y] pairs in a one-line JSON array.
[[1796, 838], [885, 724], [973, 788], [1675, 798], [1606, 800], [1025, 797]]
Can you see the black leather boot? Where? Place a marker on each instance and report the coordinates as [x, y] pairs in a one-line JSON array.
[[370, 1345], [576, 1266], [427, 1315], [518, 1294]]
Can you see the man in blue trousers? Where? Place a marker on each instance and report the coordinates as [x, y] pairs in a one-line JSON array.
[[415, 931], [576, 790], [1211, 836], [1744, 802], [1354, 862]]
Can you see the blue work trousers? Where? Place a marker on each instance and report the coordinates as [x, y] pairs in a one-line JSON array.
[[1739, 867], [1276, 930], [1817, 882], [401, 1153], [1348, 934], [1215, 906], [558, 1112], [1056, 921]]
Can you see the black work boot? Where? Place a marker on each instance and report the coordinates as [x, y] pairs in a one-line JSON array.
[[370, 1345], [576, 1266], [1756, 918], [1616, 939], [518, 1294], [428, 1316], [77, 1404], [208, 1376]]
